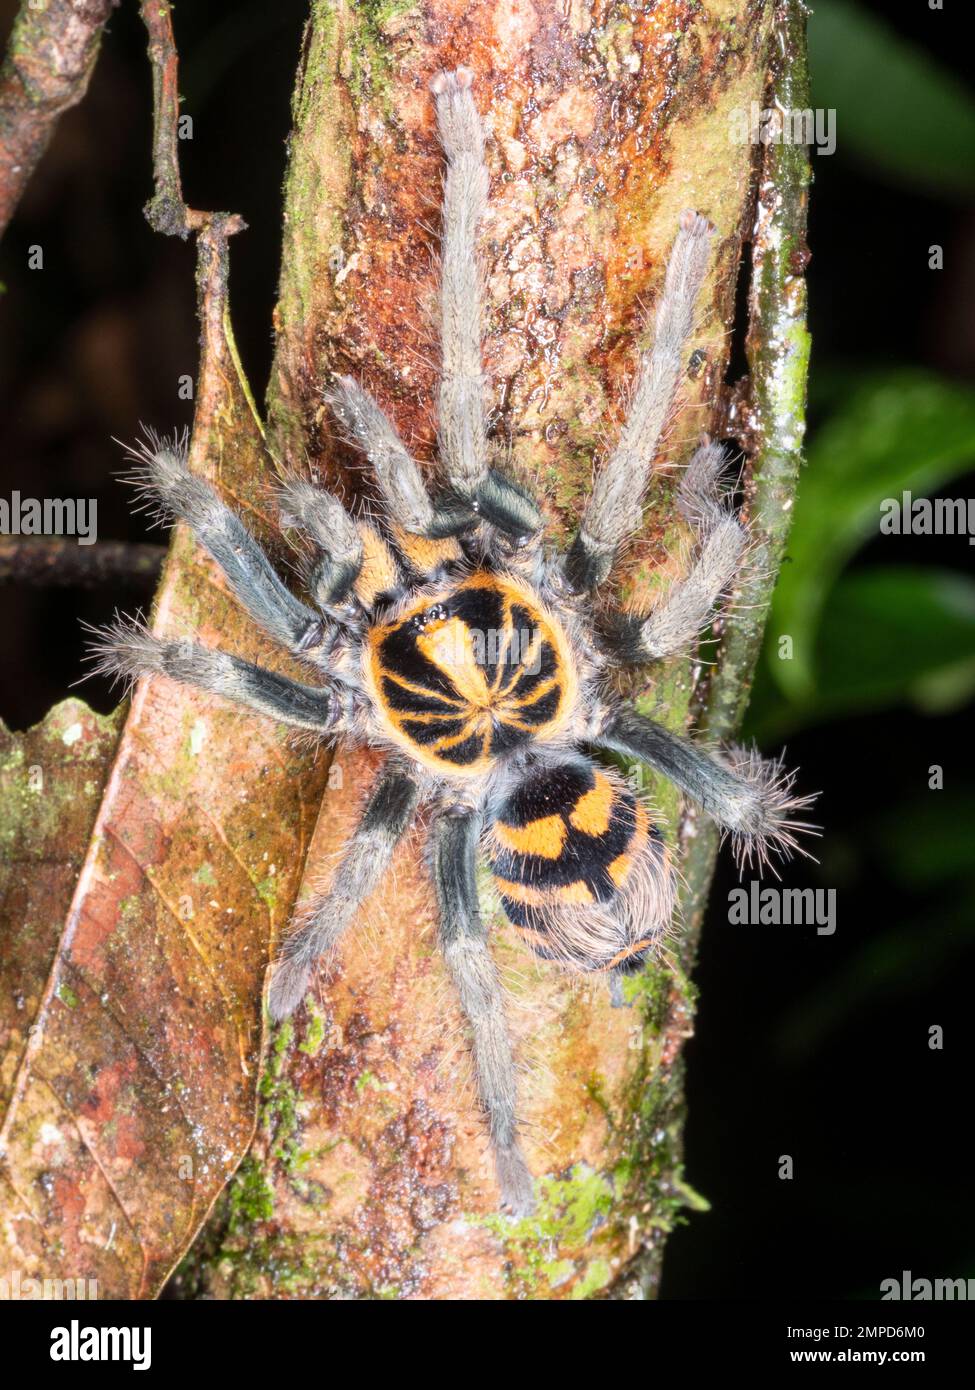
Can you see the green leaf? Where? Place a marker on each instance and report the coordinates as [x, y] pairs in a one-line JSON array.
[[896, 108], [926, 840], [895, 633], [895, 431]]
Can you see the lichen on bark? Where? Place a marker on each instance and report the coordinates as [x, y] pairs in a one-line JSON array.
[[370, 1175]]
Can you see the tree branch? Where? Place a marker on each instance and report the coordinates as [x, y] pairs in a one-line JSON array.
[[166, 210], [49, 60], [777, 348], [47, 562]]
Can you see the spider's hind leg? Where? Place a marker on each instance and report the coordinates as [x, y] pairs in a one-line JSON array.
[[750, 798], [362, 866], [688, 604], [463, 940]]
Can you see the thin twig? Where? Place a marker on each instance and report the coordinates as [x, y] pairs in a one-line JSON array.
[[166, 210], [53, 562], [48, 63]]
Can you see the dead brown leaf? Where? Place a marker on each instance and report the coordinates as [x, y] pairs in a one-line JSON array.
[[131, 1008]]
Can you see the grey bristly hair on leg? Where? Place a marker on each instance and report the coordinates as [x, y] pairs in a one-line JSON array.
[[364, 861], [775, 787], [128, 650], [702, 495], [463, 940], [408, 504], [615, 507], [462, 425], [688, 604], [747, 796], [462, 411], [510, 508], [164, 482], [325, 520]]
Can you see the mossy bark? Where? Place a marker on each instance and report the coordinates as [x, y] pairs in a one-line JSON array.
[[371, 1175], [46, 68]]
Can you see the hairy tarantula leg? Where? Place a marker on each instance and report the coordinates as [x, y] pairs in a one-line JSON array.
[[463, 431], [319, 927], [162, 476], [462, 406], [750, 798], [336, 537], [463, 941], [407, 503], [615, 507], [129, 650], [689, 604], [424, 533]]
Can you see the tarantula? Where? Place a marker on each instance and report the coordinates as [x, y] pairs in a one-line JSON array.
[[448, 635]]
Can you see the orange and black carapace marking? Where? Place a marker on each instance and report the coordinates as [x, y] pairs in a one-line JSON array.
[[568, 836], [471, 675]]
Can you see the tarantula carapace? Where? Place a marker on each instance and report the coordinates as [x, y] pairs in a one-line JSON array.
[[449, 635]]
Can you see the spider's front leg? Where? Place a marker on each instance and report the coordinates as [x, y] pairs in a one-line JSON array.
[[463, 940], [615, 509], [339, 548], [688, 604], [463, 414], [320, 926], [476, 492], [424, 531], [462, 409]]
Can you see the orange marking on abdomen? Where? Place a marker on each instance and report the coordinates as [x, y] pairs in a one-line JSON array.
[[544, 837], [572, 894], [623, 863], [591, 813], [634, 949]]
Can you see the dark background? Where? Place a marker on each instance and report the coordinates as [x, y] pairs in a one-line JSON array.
[[811, 1046]]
